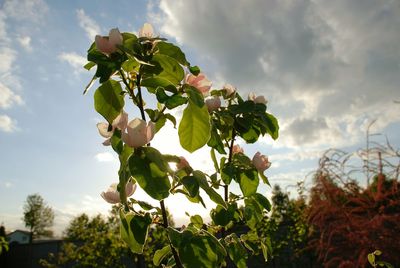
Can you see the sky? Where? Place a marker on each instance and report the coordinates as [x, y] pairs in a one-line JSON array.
[[327, 68]]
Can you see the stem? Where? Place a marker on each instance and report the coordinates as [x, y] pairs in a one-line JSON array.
[[229, 161], [138, 77], [165, 225], [162, 205]]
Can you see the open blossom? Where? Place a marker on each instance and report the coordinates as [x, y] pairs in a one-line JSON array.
[[112, 194], [200, 82], [119, 122], [229, 89], [108, 45], [138, 133], [257, 99], [183, 163], [146, 31], [261, 162], [237, 149], [213, 103]]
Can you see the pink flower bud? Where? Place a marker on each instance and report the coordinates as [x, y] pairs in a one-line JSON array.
[[257, 99], [146, 31], [213, 103], [261, 162], [112, 194], [237, 149], [139, 134], [108, 45], [183, 163], [229, 89], [200, 82]]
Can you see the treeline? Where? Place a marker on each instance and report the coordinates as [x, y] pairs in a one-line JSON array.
[[336, 222]]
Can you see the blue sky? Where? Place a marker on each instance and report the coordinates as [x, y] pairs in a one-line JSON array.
[[328, 68]]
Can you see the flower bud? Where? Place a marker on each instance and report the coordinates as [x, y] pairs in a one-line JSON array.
[[200, 82], [229, 89], [237, 149], [213, 103], [146, 31], [183, 163], [108, 45], [139, 134], [112, 194], [261, 162], [257, 99]]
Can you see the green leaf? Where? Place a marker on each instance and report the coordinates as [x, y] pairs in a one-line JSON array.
[[237, 252], [214, 159], [272, 125], [116, 142], [109, 100], [215, 141], [89, 65], [263, 201], [248, 181], [371, 259], [150, 176], [214, 196], [194, 128], [199, 250], [195, 96], [222, 216], [172, 51], [245, 107], [155, 82], [144, 205], [191, 185], [160, 255], [264, 178], [165, 67], [195, 70], [134, 229], [197, 221]]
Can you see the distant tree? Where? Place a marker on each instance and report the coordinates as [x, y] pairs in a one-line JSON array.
[[3, 241], [96, 242], [287, 228], [38, 216]]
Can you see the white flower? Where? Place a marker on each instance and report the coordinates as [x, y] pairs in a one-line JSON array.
[[119, 122], [213, 103], [257, 99], [200, 82], [108, 45], [112, 194], [139, 134], [261, 162], [229, 89], [146, 31]]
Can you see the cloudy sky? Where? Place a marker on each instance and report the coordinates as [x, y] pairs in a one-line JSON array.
[[328, 68]]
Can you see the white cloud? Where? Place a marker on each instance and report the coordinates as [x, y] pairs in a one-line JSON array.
[[7, 56], [88, 24], [325, 66], [32, 10], [8, 98], [25, 42], [105, 157], [7, 124], [75, 60]]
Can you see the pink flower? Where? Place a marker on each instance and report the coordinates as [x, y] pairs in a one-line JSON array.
[[229, 89], [200, 82], [139, 133], [112, 194], [237, 149], [108, 45], [146, 31], [119, 122], [183, 163], [213, 103], [261, 162], [257, 99]]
